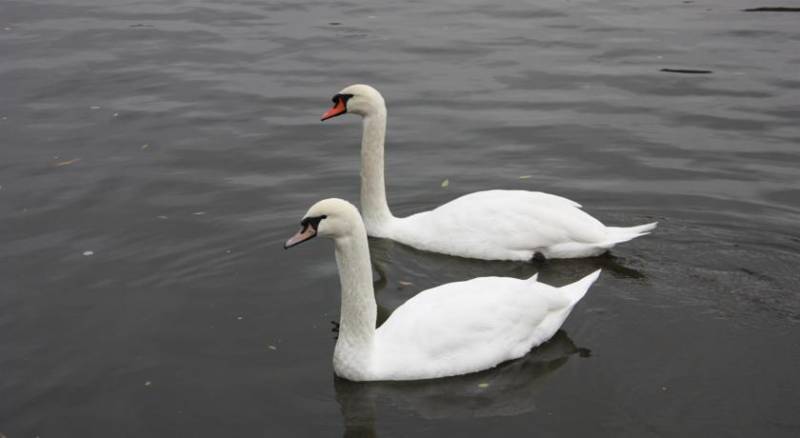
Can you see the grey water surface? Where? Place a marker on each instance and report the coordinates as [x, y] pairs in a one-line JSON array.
[[155, 154]]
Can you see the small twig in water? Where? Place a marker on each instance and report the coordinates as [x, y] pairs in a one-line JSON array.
[[686, 71]]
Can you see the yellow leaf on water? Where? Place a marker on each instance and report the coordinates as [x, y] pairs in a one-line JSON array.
[[483, 385], [68, 162], [445, 183]]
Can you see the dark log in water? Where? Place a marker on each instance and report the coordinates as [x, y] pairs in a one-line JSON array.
[[772, 9], [686, 71]]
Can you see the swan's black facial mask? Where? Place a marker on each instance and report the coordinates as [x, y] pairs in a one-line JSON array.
[[339, 106], [307, 231]]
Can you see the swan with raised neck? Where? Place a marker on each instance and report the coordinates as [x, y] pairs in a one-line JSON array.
[[369, 104], [452, 329], [492, 224]]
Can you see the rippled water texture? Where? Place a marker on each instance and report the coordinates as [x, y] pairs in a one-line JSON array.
[[155, 155]]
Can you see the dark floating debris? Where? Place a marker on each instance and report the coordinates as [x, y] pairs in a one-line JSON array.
[[686, 71], [772, 9]]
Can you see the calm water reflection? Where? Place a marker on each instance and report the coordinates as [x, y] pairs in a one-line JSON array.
[[507, 390], [177, 144]]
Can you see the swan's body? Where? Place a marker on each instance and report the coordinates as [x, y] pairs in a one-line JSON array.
[[509, 225], [491, 225], [453, 329], [463, 327]]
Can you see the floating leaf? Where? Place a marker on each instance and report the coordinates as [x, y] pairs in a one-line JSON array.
[[405, 283], [483, 385], [148, 383], [88, 253], [145, 146], [272, 347], [445, 183], [526, 177], [94, 107], [68, 162]]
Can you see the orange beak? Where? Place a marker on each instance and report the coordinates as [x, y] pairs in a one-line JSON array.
[[338, 108]]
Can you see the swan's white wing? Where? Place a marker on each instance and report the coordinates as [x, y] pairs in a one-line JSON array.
[[468, 326], [501, 224]]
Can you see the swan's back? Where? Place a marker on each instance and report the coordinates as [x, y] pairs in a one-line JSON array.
[[501, 224], [463, 327]]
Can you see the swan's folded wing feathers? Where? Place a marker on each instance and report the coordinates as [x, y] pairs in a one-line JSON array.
[[468, 325], [511, 219]]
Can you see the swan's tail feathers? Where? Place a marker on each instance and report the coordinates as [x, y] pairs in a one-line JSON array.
[[623, 234], [576, 291]]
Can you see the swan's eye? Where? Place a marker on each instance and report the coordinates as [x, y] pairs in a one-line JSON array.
[[341, 97], [313, 221]]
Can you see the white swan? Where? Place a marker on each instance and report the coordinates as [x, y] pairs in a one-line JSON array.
[[456, 328], [491, 225]]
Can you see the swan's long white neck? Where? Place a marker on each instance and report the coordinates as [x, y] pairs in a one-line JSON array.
[[374, 207], [353, 354]]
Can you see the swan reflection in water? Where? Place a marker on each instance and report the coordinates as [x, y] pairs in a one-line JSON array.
[[507, 390], [439, 268], [418, 263]]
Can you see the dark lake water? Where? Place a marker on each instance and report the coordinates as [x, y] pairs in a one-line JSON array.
[[154, 156]]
